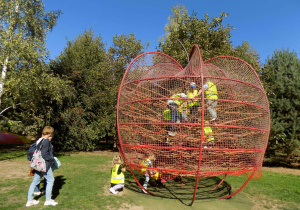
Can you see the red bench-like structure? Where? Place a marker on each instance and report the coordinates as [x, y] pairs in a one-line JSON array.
[[240, 132]]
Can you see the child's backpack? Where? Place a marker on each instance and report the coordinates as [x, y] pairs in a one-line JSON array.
[[31, 151]]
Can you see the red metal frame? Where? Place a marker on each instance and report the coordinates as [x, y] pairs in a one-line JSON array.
[[241, 133]]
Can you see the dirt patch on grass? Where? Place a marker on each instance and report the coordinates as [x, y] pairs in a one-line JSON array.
[[283, 170], [14, 169], [263, 202], [131, 207], [124, 205], [98, 153]]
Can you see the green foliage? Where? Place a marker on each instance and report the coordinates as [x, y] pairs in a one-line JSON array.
[[27, 88], [89, 116], [211, 35], [124, 50], [248, 54], [34, 96], [24, 25], [281, 78]]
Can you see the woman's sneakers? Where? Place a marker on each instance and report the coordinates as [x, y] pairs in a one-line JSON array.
[[35, 202], [32, 203], [50, 203]]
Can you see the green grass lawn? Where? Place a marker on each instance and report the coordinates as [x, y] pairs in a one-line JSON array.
[[83, 182]]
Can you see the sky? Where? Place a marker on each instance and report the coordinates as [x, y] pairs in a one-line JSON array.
[[266, 24]]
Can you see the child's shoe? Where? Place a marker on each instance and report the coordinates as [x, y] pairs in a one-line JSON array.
[[50, 203], [171, 133], [37, 193], [112, 190], [32, 203]]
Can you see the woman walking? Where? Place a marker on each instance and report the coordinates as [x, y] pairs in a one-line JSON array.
[[44, 143]]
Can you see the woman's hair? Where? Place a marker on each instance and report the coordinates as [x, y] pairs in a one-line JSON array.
[[116, 160], [48, 130]]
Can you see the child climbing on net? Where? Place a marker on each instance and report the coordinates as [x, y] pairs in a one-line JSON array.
[[148, 162]]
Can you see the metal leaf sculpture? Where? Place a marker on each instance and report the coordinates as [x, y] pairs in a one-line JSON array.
[[237, 117]]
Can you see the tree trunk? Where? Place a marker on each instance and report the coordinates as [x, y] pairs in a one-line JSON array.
[[3, 75]]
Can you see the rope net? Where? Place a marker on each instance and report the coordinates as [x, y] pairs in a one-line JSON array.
[[207, 119]]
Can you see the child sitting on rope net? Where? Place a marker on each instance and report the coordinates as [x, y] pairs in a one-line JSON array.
[[148, 162], [175, 104]]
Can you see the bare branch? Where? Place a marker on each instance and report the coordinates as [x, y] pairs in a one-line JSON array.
[[5, 109]]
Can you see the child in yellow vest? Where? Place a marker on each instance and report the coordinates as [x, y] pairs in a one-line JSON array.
[[193, 104], [117, 176], [173, 104], [148, 162], [211, 94]]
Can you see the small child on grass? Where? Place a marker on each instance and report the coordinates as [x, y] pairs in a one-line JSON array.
[[117, 176]]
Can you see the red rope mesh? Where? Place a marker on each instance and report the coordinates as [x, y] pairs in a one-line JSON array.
[[240, 131]]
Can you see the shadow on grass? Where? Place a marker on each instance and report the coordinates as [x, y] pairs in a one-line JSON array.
[[58, 183], [12, 151], [8, 152], [57, 186], [181, 189]]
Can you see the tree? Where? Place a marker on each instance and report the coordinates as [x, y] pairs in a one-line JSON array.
[[212, 37], [24, 25], [33, 96], [89, 117], [95, 75], [281, 78], [27, 86], [248, 54], [124, 50]]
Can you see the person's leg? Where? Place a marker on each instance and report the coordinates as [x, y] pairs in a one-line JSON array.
[[37, 188], [211, 108], [190, 114], [183, 115], [112, 190], [36, 180], [50, 181], [174, 115], [147, 178], [211, 144], [38, 191], [118, 187], [43, 190], [196, 113]]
